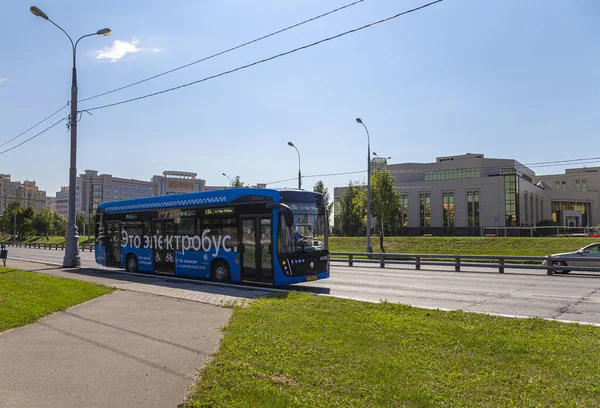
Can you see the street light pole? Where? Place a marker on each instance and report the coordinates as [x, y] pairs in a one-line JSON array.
[[228, 178], [368, 186], [299, 174], [71, 258]]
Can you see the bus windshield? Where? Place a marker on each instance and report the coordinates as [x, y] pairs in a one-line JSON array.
[[309, 231]]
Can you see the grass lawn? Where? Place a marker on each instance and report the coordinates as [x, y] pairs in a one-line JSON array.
[[463, 245], [27, 296], [312, 351]]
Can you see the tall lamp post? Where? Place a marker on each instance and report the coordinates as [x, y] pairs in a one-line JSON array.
[[229, 178], [72, 258], [387, 158], [299, 174], [368, 186]]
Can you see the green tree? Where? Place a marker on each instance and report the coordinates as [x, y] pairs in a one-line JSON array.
[[59, 225], [354, 210], [7, 220], [236, 182], [385, 203], [319, 187], [42, 222], [25, 218]]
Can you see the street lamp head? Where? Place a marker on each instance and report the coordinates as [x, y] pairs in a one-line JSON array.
[[291, 144], [224, 174], [37, 12], [104, 32], [375, 154], [358, 120]]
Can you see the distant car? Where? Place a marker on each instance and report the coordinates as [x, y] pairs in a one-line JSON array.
[[588, 256]]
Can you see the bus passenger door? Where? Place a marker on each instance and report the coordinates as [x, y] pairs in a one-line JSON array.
[[164, 258], [257, 263], [113, 243]]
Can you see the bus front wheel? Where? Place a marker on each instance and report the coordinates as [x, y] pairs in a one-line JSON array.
[[220, 272], [131, 265]]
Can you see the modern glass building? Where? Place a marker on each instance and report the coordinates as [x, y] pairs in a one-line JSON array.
[[460, 195]]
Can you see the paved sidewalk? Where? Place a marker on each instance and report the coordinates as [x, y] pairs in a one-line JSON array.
[[139, 347]]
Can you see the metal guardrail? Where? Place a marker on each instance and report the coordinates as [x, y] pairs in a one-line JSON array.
[[458, 261], [41, 245]]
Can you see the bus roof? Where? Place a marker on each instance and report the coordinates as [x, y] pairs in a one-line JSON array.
[[216, 197]]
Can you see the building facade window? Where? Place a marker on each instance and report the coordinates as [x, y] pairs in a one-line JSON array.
[[557, 185], [577, 186], [526, 215], [425, 204], [511, 197], [559, 206], [448, 209], [583, 185], [531, 210], [403, 210], [563, 185], [453, 174], [473, 208]]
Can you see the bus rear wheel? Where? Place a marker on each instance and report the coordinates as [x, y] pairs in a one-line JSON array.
[[131, 264], [220, 272]]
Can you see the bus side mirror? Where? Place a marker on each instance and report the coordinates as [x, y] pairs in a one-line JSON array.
[[288, 214]]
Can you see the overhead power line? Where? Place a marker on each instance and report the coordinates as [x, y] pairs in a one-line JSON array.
[[39, 123], [34, 136], [266, 59], [225, 51]]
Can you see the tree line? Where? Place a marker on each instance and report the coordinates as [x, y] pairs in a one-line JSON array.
[[28, 222], [385, 208]]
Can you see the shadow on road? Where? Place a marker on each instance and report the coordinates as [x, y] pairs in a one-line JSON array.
[[163, 281]]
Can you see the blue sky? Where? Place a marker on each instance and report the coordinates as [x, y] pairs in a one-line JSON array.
[[507, 78]]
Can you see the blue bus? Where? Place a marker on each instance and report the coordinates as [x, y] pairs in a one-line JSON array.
[[243, 235]]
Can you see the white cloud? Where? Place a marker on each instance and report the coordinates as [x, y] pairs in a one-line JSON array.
[[118, 50], [3, 80]]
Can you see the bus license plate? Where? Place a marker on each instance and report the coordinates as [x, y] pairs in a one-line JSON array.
[[311, 278]]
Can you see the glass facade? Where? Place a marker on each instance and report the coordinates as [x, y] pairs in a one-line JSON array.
[[425, 204], [448, 209], [511, 197], [453, 174], [559, 206], [473, 208], [404, 210]]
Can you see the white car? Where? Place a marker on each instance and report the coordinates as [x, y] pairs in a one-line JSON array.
[[588, 256]]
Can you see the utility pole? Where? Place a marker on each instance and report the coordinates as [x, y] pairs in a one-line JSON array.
[[90, 215]]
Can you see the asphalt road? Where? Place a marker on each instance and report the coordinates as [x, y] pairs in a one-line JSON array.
[[517, 292]]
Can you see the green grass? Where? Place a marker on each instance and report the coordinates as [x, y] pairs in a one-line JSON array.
[[310, 351], [26, 296], [52, 240], [463, 245]]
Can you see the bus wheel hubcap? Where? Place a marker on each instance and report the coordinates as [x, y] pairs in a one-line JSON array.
[[131, 264], [221, 273]]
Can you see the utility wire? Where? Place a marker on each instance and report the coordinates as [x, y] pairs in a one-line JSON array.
[[34, 136], [39, 123], [266, 59], [226, 51]]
